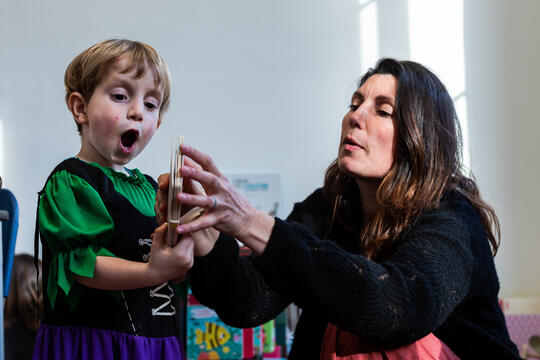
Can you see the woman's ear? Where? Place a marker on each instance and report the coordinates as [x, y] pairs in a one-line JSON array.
[[77, 105]]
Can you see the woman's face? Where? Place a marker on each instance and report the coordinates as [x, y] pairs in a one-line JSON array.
[[367, 133]]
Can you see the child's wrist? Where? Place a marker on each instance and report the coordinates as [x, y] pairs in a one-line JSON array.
[[154, 276]]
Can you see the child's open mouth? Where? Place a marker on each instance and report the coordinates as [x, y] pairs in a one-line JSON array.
[[128, 139]]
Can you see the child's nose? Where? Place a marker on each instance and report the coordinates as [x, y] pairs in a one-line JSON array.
[[135, 112]]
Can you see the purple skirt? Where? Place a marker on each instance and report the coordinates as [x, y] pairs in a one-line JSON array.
[[72, 342]]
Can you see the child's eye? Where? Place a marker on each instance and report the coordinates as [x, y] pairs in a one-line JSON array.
[[119, 97], [353, 107], [150, 106]]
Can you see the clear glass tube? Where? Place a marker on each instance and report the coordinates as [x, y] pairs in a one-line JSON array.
[[175, 187]]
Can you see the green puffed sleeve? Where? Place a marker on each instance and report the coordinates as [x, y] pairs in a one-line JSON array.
[[76, 226]]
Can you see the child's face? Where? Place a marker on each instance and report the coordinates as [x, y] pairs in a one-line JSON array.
[[121, 117]]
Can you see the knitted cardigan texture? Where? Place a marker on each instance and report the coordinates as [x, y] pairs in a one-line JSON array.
[[439, 277]]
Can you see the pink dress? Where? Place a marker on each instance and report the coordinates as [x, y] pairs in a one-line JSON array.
[[341, 345]]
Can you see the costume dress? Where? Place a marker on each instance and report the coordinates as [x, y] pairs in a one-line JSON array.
[[85, 211], [439, 277]]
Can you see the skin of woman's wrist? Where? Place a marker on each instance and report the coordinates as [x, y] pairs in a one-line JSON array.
[[257, 232], [246, 227]]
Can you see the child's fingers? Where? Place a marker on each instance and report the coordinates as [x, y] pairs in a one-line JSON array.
[[185, 245], [161, 229], [185, 249], [160, 235], [160, 208], [163, 181], [160, 205]]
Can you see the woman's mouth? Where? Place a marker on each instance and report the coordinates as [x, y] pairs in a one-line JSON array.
[[128, 140], [350, 144]]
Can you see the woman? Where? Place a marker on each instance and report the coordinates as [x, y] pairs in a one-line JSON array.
[[393, 255]]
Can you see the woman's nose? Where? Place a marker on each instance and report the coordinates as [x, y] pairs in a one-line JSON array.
[[357, 117]]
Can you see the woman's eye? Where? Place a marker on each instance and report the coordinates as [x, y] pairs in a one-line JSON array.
[[384, 113], [119, 97], [353, 107]]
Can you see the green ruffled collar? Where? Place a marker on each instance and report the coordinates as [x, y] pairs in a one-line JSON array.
[[136, 176]]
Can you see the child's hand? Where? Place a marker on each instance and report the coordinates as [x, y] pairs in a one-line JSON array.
[[168, 263], [160, 206]]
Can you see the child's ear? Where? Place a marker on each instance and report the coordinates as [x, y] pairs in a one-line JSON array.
[[158, 122], [77, 105]]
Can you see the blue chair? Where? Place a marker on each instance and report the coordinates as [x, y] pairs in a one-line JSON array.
[[10, 224]]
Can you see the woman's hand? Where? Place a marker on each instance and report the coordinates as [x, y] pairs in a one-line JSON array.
[[227, 210], [205, 239], [160, 205]]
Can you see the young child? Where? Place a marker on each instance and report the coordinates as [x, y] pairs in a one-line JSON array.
[[106, 290]]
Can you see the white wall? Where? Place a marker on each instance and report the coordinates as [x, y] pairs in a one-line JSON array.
[[262, 86], [259, 85], [503, 77]]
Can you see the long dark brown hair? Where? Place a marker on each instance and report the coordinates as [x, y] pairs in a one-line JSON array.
[[24, 298], [427, 164]]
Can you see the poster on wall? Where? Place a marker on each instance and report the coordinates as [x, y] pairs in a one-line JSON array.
[[261, 190]]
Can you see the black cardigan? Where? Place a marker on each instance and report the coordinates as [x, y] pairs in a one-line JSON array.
[[440, 278]]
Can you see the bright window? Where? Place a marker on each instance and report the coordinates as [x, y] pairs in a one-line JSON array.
[[435, 40]]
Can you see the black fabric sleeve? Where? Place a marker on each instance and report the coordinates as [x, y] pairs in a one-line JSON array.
[[396, 301], [232, 286]]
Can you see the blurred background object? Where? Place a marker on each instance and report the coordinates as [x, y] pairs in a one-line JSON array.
[[22, 309]]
